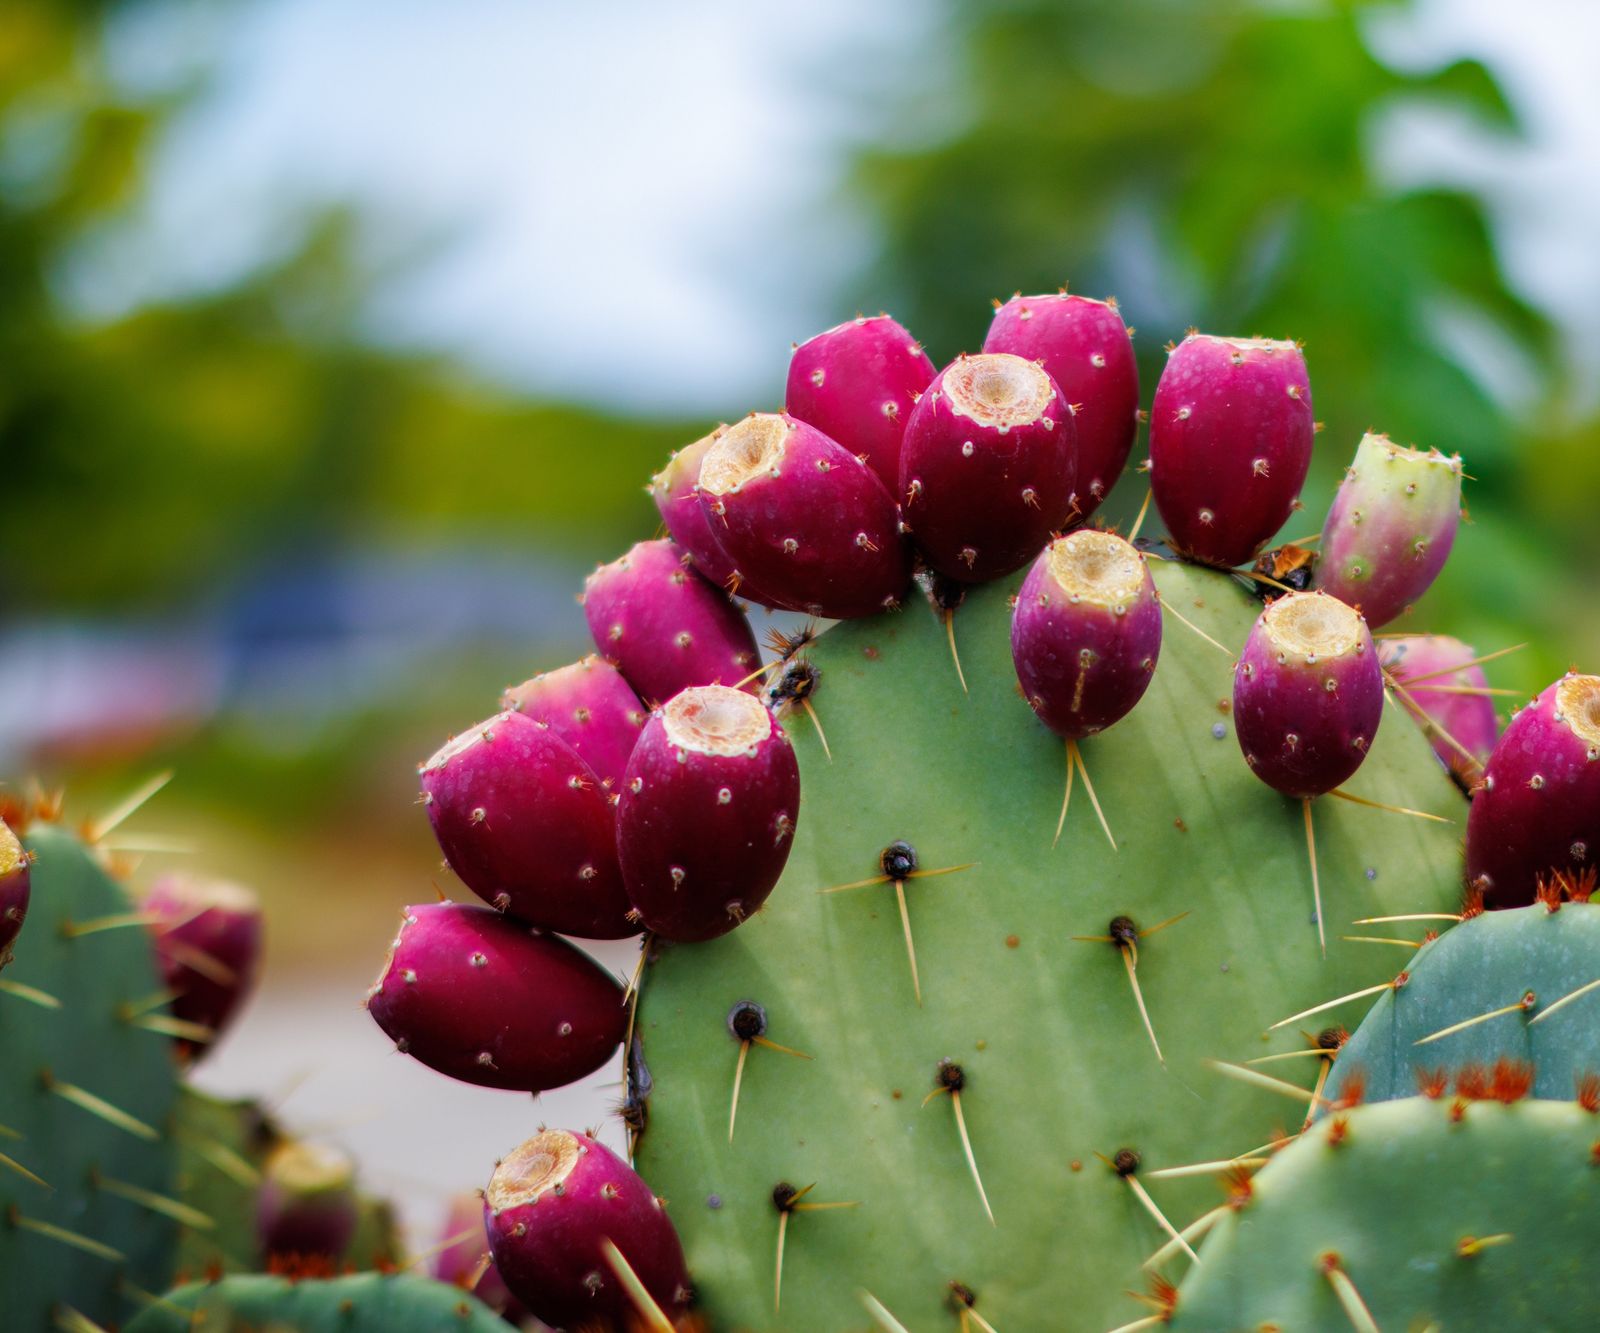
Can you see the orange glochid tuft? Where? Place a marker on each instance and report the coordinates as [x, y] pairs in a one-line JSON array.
[[1588, 1092], [1511, 1081]]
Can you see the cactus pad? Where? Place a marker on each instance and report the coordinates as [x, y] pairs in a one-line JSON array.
[[1488, 964], [366, 1303], [85, 1100], [1054, 1066], [1431, 1214]]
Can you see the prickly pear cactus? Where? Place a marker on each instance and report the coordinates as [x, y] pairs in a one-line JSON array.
[[366, 1303], [1408, 1215], [1521, 984], [222, 1145], [88, 1213], [1052, 1069]]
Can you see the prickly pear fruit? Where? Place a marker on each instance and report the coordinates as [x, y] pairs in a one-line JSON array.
[[1453, 721], [857, 384], [1230, 442], [14, 887], [462, 1264], [550, 1207], [1086, 349], [590, 706], [664, 626], [1538, 813], [806, 521], [528, 827], [988, 466], [388, 1302], [1086, 633], [207, 936], [707, 813], [673, 490], [485, 999], [1408, 1215], [1391, 527], [1307, 694], [306, 1209], [1421, 1037]]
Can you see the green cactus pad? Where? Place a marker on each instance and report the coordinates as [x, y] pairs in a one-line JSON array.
[[94, 1235], [1407, 1188], [365, 1303], [1058, 1066], [221, 1145], [1485, 964]]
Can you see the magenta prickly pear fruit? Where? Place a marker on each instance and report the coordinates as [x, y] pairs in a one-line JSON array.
[[988, 466], [207, 936], [1391, 527], [664, 626], [488, 1000], [1086, 632], [589, 706], [707, 813], [857, 384], [528, 827], [1086, 349], [678, 502], [463, 1264], [550, 1207], [806, 520], [307, 1207], [14, 888], [1230, 442], [1537, 814], [1454, 721], [1307, 694]]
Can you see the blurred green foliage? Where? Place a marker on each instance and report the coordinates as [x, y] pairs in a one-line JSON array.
[[1213, 165], [149, 458]]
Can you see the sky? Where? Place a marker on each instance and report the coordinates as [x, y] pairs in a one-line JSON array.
[[638, 205]]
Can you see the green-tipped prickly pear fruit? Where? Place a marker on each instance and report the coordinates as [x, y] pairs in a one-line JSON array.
[[1007, 1040], [1413, 1214]]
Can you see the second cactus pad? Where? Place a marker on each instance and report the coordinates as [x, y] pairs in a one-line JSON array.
[[1522, 984], [365, 1303], [1418, 1213], [1034, 1035]]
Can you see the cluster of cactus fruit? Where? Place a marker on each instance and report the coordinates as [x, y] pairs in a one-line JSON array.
[[876, 1096], [939, 1047]]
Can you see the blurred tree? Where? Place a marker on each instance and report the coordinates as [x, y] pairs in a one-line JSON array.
[[1212, 165], [149, 458]]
